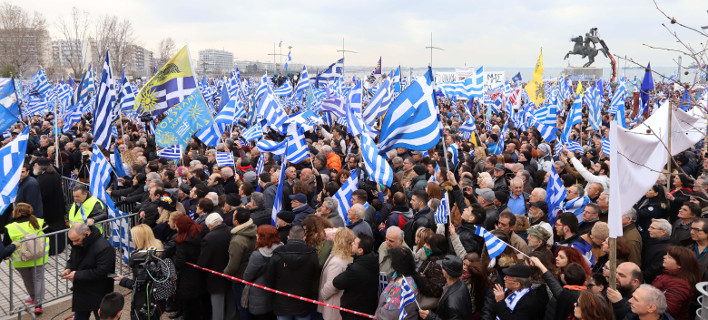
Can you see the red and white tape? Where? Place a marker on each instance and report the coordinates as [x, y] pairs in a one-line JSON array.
[[281, 292]]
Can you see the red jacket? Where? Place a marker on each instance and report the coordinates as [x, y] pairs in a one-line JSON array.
[[679, 294]]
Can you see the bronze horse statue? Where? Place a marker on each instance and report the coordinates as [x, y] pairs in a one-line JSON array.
[[584, 49]]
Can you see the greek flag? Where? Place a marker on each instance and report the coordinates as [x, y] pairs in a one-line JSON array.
[[278, 203], [467, 128], [297, 146], [344, 194], [617, 103], [290, 58], [592, 101], [63, 92], [379, 103], [99, 178], [171, 153], [210, 135], [453, 149], [443, 210], [469, 88], [555, 194], [548, 132], [120, 170], [494, 246], [259, 166], [354, 97], [8, 98], [208, 92], [103, 115], [277, 148], [35, 105], [72, 115], [253, 133], [606, 146], [396, 76], [269, 108], [225, 159], [572, 145], [40, 84], [575, 115], [330, 75], [303, 83], [412, 121], [566, 92], [126, 97], [285, 90], [335, 105], [12, 156], [227, 115], [407, 297], [379, 170], [85, 87]]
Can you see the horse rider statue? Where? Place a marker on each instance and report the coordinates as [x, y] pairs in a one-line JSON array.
[[587, 47]]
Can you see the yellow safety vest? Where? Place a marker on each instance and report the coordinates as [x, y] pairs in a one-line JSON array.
[[17, 235], [75, 214]]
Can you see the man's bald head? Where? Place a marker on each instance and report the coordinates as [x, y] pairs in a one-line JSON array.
[[394, 237], [629, 276]]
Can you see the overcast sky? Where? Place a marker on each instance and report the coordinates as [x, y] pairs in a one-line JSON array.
[[502, 33]]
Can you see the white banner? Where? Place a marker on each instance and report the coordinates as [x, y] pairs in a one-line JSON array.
[[493, 79]]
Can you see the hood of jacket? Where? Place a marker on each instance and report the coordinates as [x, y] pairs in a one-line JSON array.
[[268, 251], [246, 229]]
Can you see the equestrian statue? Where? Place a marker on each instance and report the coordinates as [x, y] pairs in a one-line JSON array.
[[587, 47]]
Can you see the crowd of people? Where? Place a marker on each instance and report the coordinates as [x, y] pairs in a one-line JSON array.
[[388, 242]]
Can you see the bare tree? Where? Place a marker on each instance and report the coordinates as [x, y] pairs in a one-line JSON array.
[[74, 29], [116, 37], [24, 40], [166, 49]]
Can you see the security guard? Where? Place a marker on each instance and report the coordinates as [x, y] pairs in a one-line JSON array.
[[86, 208]]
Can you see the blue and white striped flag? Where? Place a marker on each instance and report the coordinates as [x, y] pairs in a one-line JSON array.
[[278, 203], [437, 169], [227, 115], [259, 165], [330, 75], [269, 108], [35, 105], [413, 121], [285, 90], [40, 84], [548, 132], [303, 83], [407, 297], [126, 97], [171, 153], [617, 103], [606, 146], [443, 210], [379, 103], [575, 115], [72, 115], [210, 135], [297, 149], [225, 159], [104, 113], [344, 194], [455, 157], [555, 194], [379, 170], [99, 178], [253, 133], [494, 245], [334, 104], [468, 88], [467, 128], [288, 59], [85, 87], [396, 76], [12, 156], [277, 148], [8, 98]]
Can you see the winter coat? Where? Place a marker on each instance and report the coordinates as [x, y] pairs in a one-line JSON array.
[[422, 218], [260, 216], [647, 209], [52, 201], [653, 256], [92, 262], [360, 227], [269, 192], [634, 242], [471, 241], [293, 269], [334, 266], [139, 295], [454, 304], [385, 260], [230, 186], [214, 255], [433, 279], [301, 213], [190, 280], [531, 306], [259, 301], [360, 283], [678, 292], [390, 300], [28, 191], [243, 241], [560, 306]]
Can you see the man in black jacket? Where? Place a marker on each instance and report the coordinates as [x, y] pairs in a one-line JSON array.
[[92, 260], [519, 300], [215, 256], [455, 301], [421, 218], [52, 202], [293, 269], [360, 280]]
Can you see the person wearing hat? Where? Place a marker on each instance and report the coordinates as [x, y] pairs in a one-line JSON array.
[[284, 223], [455, 301], [485, 198], [538, 238], [519, 300], [300, 207], [590, 244], [501, 199], [545, 159], [499, 176], [214, 255], [538, 216], [419, 182]]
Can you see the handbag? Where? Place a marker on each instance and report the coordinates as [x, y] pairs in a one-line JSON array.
[[165, 284]]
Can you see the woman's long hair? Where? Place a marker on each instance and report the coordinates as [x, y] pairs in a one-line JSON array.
[[25, 210], [314, 226], [342, 247], [688, 263], [186, 227], [594, 306], [574, 256], [267, 236], [403, 263], [144, 238]]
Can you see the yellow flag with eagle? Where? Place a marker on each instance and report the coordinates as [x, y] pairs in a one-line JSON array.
[[535, 87]]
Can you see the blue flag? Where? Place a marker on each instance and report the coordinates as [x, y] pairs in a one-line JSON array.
[[184, 120], [120, 171]]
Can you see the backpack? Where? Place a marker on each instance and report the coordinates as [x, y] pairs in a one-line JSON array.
[[165, 284], [30, 250]]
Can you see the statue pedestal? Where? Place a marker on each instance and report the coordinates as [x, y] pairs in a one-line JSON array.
[[583, 74]]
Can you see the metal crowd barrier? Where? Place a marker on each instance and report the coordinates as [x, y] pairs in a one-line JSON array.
[[12, 289], [67, 186], [702, 312]]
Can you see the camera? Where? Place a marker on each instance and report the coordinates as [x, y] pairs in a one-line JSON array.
[[147, 271]]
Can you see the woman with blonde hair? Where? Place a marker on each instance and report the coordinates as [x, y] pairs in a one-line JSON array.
[[32, 271], [144, 239], [337, 262]]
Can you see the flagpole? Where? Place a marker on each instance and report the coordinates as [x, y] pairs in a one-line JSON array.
[[56, 136]]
